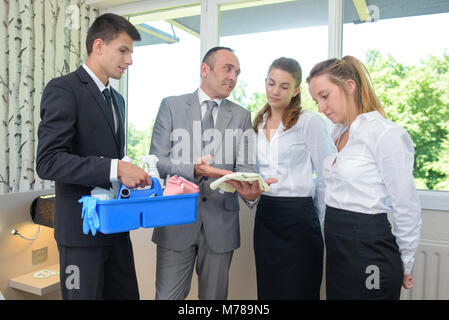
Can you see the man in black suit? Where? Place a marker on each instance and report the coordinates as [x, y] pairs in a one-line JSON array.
[[81, 141]]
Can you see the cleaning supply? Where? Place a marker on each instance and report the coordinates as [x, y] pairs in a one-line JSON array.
[[154, 190], [240, 176], [108, 194], [145, 207], [89, 214], [151, 161], [179, 185], [124, 193], [103, 194]]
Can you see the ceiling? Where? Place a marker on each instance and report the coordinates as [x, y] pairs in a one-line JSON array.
[[105, 4], [289, 15]]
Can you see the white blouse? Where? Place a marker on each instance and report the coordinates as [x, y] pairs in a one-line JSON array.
[[293, 156], [373, 173]]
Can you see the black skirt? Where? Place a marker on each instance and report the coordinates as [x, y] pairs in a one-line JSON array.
[[288, 247], [362, 258]]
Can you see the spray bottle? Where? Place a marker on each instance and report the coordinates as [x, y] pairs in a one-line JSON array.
[[151, 161]]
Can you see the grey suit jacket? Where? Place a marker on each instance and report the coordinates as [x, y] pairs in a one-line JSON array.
[[176, 141]]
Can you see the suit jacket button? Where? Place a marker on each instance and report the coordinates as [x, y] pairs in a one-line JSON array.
[[204, 199]]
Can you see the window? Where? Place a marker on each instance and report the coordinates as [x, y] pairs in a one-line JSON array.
[[261, 34], [164, 64], [401, 44]]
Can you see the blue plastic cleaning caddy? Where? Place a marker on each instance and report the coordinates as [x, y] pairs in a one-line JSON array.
[[142, 209]]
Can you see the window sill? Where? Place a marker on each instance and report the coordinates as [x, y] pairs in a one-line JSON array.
[[434, 200]]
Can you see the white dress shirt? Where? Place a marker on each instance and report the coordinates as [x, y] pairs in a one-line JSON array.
[[373, 173], [293, 156], [203, 98], [101, 87]]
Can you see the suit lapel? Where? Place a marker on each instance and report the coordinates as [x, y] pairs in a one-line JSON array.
[[223, 118], [120, 137], [193, 111], [98, 97]]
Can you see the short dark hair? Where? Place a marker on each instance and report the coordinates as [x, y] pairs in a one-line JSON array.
[[208, 57], [107, 27]]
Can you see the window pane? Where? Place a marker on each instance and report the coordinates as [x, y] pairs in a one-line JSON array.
[[259, 35], [405, 48], [165, 63]]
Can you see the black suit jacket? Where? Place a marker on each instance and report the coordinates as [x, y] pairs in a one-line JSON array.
[[77, 141]]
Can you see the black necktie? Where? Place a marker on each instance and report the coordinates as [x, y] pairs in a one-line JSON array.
[[108, 97], [117, 119], [208, 122]]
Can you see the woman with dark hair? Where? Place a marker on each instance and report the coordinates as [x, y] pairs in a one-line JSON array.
[[291, 144], [369, 174]]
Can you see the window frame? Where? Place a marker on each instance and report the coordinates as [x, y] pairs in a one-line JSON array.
[[209, 31]]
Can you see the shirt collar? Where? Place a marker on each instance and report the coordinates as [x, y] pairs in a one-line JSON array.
[[97, 81], [367, 116], [372, 115], [204, 97], [264, 120], [340, 128]]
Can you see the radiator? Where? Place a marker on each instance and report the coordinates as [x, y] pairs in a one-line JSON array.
[[430, 271]]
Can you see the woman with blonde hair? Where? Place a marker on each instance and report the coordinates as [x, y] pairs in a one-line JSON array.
[[369, 174], [291, 144]]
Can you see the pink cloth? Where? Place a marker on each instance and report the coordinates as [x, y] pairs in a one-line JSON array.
[[179, 185]]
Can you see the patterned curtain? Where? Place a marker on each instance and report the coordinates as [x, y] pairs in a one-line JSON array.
[[39, 40]]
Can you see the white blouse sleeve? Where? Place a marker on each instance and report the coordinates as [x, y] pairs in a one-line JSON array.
[[394, 154], [253, 150], [320, 146]]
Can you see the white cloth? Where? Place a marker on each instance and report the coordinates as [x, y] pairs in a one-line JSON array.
[[294, 156], [240, 176], [114, 162], [373, 173]]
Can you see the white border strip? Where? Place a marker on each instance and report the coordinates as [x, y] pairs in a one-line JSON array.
[[434, 200], [335, 28]]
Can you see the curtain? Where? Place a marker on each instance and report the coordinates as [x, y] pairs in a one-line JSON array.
[[39, 40]]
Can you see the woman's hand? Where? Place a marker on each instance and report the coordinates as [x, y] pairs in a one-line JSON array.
[[408, 281], [249, 191]]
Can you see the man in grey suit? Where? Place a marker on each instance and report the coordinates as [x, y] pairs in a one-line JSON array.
[[181, 134]]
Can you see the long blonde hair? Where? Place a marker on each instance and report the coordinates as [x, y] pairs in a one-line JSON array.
[[291, 115], [348, 67]]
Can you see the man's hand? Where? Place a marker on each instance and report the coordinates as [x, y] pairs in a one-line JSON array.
[[202, 168], [132, 176], [249, 190]]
